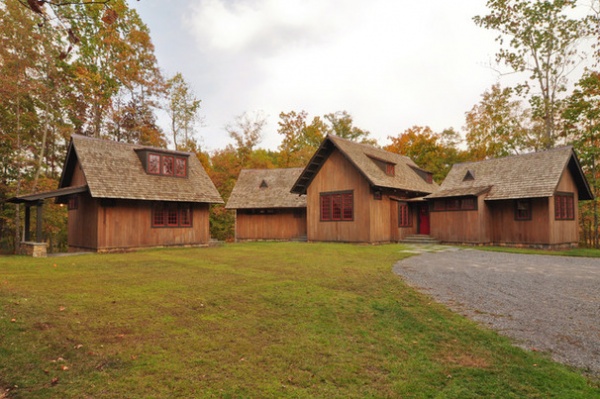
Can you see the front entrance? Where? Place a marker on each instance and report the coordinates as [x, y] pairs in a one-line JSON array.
[[423, 219]]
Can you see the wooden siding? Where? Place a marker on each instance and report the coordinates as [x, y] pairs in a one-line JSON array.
[[338, 174], [506, 230], [457, 226], [127, 225], [82, 233], [282, 225], [381, 223], [400, 233], [565, 231]]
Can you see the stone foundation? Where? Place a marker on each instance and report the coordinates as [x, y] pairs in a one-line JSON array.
[[34, 249]]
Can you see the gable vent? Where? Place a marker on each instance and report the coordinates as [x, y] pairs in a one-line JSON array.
[[264, 184], [469, 176]]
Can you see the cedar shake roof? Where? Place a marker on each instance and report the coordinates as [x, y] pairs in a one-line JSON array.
[[266, 188], [407, 175], [114, 170], [531, 175]]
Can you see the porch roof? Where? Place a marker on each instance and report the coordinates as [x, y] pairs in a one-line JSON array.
[[58, 194]]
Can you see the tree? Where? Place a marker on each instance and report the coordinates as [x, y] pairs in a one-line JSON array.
[[341, 125], [431, 151], [582, 117], [300, 141], [541, 40], [497, 126], [182, 108]]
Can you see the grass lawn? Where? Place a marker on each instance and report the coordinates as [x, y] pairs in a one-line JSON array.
[[260, 320]]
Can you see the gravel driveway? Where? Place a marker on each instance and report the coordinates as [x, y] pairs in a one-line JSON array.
[[546, 303]]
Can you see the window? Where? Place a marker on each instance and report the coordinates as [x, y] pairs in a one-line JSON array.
[[337, 206], [166, 165], [523, 209], [180, 167], [564, 206], [390, 169], [73, 203], [154, 164], [404, 215], [172, 215], [468, 204], [455, 204]]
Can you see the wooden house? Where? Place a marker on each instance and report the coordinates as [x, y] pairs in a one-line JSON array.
[[523, 200], [265, 208], [124, 196], [360, 193]]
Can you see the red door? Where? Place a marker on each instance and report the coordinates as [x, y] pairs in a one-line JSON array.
[[423, 219]]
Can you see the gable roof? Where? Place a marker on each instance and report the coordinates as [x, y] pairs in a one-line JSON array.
[[365, 157], [266, 188], [114, 170], [532, 175]]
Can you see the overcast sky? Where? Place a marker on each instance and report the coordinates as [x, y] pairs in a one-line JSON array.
[[391, 64]]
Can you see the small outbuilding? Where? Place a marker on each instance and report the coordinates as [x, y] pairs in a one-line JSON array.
[[125, 196], [265, 208], [360, 193], [521, 200]]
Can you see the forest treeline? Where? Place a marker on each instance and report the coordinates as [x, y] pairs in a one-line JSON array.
[[91, 69]]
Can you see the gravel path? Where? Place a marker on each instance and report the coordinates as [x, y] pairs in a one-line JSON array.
[[546, 303]]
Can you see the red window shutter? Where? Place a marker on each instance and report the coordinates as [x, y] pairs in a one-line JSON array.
[[348, 206], [325, 207], [336, 205], [570, 207]]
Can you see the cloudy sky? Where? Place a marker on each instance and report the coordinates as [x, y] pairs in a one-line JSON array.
[[391, 64]]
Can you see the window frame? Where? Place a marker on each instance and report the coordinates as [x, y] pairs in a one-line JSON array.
[[404, 215], [529, 212], [454, 204], [163, 161], [171, 215], [564, 206], [336, 206]]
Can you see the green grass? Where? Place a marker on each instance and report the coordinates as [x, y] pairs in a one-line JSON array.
[[261, 320]]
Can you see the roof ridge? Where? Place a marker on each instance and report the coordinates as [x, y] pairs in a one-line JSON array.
[[511, 156]]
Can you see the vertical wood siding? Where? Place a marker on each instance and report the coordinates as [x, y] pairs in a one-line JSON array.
[[338, 174], [285, 225], [565, 231]]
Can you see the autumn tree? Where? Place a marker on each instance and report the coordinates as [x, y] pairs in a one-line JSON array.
[[538, 37], [434, 152], [300, 140], [182, 108], [341, 124], [498, 126], [582, 119]]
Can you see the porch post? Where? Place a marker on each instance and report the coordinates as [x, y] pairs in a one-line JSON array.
[[38, 221], [27, 236]]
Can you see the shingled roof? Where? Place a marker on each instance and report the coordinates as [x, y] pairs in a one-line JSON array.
[[407, 176], [266, 188], [532, 175], [114, 170]]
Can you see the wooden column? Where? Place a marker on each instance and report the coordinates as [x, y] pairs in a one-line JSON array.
[[38, 221], [27, 235]]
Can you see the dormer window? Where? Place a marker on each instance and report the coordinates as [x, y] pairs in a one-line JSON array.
[[469, 176], [166, 165], [390, 169]]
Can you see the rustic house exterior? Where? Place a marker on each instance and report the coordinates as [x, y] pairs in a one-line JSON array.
[[359, 193], [528, 200], [265, 207], [124, 196]]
